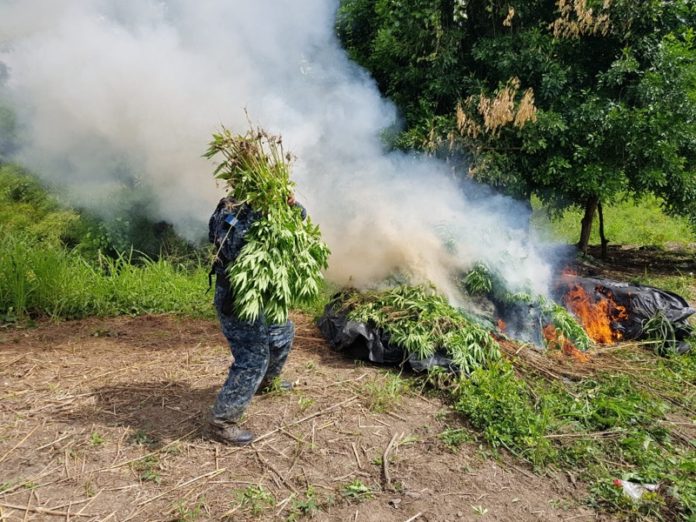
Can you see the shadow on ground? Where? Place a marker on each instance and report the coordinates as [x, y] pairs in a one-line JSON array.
[[157, 412]]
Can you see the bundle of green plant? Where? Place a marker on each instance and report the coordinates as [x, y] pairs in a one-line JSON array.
[[280, 265], [660, 330], [478, 281], [422, 322], [565, 323]]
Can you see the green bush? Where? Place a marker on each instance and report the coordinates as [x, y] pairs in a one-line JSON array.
[[42, 279], [496, 402]]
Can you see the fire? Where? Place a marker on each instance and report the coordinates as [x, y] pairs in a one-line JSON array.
[[597, 317], [501, 325], [556, 340]]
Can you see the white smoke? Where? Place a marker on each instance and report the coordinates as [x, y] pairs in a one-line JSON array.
[[109, 91]]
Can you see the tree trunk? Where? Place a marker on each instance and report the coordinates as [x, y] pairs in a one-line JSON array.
[[602, 237], [586, 230]]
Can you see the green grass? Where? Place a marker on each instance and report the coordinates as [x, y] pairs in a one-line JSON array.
[[683, 284], [41, 279], [610, 426], [384, 394], [357, 491], [625, 223]]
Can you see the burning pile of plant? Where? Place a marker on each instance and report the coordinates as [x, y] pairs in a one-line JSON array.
[[605, 415], [418, 326], [611, 312], [281, 262]]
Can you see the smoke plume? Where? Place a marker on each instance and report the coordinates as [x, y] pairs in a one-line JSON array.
[[126, 93]]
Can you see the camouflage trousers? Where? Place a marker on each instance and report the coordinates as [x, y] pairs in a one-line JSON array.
[[260, 351]]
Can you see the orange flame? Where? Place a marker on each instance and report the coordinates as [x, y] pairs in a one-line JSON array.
[[501, 325], [597, 316], [556, 340]]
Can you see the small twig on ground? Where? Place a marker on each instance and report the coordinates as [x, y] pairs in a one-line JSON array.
[[385, 460], [414, 517], [7, 454], [267, 465], [355, 452], [131, 461], [284, 503], [43, 511], [303, 419], [210, 474], [54, 442]]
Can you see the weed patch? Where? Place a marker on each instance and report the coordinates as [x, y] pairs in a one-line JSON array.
[[384, 394], [607, 427], [357, 491], [254, 499]]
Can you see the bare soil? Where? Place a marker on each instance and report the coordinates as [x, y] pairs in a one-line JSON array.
[[103, 419]]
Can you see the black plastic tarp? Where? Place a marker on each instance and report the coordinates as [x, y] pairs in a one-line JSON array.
[[368, 343], [641, 302]]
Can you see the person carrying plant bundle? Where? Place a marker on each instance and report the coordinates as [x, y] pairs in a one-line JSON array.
[[268, 257]]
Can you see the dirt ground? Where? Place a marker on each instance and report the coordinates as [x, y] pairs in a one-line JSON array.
[[102, 420]]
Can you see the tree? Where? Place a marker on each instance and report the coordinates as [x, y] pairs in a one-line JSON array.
[[580, 102]]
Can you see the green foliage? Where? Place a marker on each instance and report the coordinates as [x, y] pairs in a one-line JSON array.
[[29, 209], [566, 324], [255, 499], [627, 222], [357, 491], [25, 207], [603, 428], [422, 322], [552, 313], [185, 513], [499, 404], [42, 279], [96, 439], [280, 264], [455, 437], [385, 393], [148, 469], [660, 330], [478, 280], [305, 507], [615, 107], [8, 132]]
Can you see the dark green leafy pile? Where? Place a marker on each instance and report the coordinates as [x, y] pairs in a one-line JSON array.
[[280, 265], [422, 322]]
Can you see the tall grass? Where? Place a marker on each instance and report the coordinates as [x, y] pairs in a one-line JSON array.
[[42, 279], [626, 223]]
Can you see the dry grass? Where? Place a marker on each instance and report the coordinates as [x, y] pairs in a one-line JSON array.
[[576, 19], [497, 111], [101, 420]]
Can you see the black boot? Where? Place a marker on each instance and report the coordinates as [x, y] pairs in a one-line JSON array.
[[228, 432]]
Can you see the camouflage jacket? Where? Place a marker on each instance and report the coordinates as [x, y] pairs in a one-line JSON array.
[[227, 229]]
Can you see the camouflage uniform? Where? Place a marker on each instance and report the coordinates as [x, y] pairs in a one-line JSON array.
[[259, 349]]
